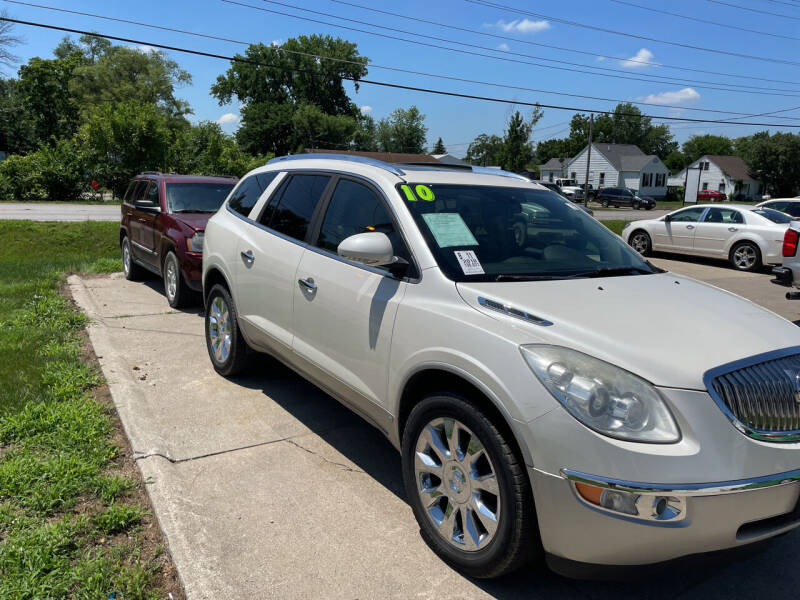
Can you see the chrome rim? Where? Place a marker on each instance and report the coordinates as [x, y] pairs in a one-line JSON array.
[[126, 257], [457, 484], [171, 279], [219, 329], [744, 257], [639, 243]]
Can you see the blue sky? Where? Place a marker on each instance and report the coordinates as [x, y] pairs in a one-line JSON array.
[[458, 121]]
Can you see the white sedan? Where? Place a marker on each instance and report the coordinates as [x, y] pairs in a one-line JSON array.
[[747, 236]]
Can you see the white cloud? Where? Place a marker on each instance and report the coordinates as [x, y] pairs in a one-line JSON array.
[[684, 96], [366, 109], [639, 60], [601, 58], [228, 119], [276, 43], [520, 25], [504, 47]]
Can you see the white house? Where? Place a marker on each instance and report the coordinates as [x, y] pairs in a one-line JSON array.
[[555, 168], [726, 174], [621, 165]]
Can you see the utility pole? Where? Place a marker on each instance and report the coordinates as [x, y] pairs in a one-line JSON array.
[[588, 160]]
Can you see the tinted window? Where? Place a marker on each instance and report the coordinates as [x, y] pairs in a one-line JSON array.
[[141, 191], [690, 215], [245, 196], [295, 207], [354, 208], [204, 197], [129, 192], [773, 215], [152, 193], [723, 215], [793, 208], [264, 179]]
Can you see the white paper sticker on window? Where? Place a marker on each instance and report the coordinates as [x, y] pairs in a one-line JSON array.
[[449, 230], [469, 262]]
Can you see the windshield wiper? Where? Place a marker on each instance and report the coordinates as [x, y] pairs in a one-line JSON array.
[[193, 210], [530, 277], [613, 272]]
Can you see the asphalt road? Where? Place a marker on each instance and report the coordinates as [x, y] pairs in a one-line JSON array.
[[267, 487], [54, 211]]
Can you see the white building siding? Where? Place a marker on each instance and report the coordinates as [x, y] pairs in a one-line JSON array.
[[716, 179], [552, 174], [659, 173], [598, 164]]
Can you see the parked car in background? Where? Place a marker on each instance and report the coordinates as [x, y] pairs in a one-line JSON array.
[[744, 235], [554, 187], [616, 197], [526, 424], [790, 206], [788, 274], [645, 202], [578, 197], [566, 182], [711, 196], [161, 231]]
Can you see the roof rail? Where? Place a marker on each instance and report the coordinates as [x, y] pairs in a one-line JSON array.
[[500, 172], [440, 166], [344, 157]]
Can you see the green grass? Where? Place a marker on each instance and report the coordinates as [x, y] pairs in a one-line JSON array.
[[67, 523], [615, 225]]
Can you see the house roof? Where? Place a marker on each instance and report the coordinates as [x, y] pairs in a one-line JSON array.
[[389, 157], [615, 153], [636, 163], [733, 166], [555, 164], [449, 159]]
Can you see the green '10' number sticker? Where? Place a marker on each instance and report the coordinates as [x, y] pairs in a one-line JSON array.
[[423, 191]]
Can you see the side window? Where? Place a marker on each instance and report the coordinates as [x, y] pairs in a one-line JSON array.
[[264, 179], [141, 191], [723, 215], [294, 209], [245, 196], [152, 194], [354, 208], [690, 215], [793, 208], [128, 197]]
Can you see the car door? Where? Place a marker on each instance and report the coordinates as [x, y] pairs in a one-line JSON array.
[[142, 220], [269, 254], [147, 218], [678, 232], [344, 311], [718, 226]]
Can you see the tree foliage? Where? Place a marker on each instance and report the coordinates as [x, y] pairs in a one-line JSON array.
[[276, 84], [700, 145], [485, 150], [675, 161], [402, 131], [774, 160], [514, 151], [439, 147]]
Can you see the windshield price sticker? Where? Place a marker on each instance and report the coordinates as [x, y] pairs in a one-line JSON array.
[[469, 262], [423, 192], [449, 230]]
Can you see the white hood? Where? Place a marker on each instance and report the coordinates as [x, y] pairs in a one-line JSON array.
[[666, 328]]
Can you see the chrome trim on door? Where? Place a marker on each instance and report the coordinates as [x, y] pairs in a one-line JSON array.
[[145, 249], [512, 312]]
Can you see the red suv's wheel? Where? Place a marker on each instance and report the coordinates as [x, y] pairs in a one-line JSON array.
[[177, 292], [132, 271]]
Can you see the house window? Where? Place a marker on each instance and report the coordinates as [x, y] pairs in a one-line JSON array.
[[644, 179], [551, 177], [705, 185], [574, 175], [602, 179], [706, 165], [722, 187]]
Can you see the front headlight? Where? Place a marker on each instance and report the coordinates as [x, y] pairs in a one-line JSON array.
[[603, 397], [195, 243]]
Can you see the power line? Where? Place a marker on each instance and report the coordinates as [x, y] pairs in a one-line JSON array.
[[646, 63], [706, 21], [375, 82], [747, 89], [389, 68], [794, 5], [755, 10], [487, 3]]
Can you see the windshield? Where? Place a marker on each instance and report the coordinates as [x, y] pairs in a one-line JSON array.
[[773, 215], [197, 196], [488, 233]]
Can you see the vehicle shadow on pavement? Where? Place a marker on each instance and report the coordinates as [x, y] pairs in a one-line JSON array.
[[724, 266], [767, 570], [156, 284]]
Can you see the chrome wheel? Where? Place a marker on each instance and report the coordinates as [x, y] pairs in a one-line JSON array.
[[457, 484], [219, 329], [171, 279], [745, 257], [126, 257], [640, 242]]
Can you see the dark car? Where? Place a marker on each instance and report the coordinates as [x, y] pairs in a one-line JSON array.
[[578, 197], [616, 197], [711, 196], [163, 220], [645, 202], [553, 187]]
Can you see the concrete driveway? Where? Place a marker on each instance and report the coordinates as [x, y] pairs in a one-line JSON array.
[[267, 488], [54, 211]]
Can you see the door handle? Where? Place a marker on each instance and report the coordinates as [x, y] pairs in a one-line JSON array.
[[690, 227], [733, 229], [248, 256], [308, 284]]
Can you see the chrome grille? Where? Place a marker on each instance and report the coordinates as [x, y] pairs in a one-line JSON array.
[[763, 398]]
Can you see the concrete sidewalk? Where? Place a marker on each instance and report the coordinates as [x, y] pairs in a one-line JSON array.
[[265, 487], [59, 211]]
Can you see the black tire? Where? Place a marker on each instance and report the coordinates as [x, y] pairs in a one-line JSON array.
[[515, 541], [742, 249], [520, 234], [132, 271], [238, 356], [636, 206], [604, 203], [640, 241], [649, 207], [175, 289]]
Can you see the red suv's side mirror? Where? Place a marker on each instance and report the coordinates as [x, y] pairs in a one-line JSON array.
[[146, 205]]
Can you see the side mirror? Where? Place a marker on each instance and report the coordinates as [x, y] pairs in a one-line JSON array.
[[373, 249], [146, 205], [667, 218]]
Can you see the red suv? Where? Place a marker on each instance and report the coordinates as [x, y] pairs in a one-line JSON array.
[[163, 220], [711, 196]]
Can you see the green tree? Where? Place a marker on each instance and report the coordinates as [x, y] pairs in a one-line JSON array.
[[517, 150], [485, 150], [275, 83], [365, 135], [402, 131], [700, 145], [204, 149], [774, 160], [675, 161], [553, 148], [125, 139], [90, 47], [439, 148], [17, 127]]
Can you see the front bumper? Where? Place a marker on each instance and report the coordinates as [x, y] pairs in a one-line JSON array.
[[718, 516], [192, 269]]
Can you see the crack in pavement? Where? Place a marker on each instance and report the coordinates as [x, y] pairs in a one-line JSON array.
[[342, 466]]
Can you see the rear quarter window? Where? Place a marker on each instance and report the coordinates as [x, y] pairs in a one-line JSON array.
[[245, 196]]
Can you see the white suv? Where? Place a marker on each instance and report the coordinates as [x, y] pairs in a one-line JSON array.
[[552, 392]]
